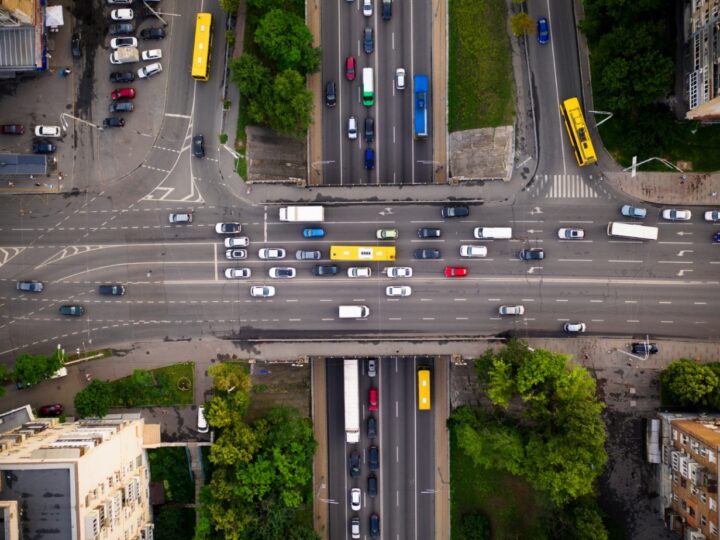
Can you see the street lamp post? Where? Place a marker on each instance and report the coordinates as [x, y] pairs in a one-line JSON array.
[[64, 123], [314, 164]]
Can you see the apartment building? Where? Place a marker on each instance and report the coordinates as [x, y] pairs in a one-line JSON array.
[[689, 479], [702, 49], [80, 480]]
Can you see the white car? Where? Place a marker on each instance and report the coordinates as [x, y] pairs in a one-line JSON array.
[[271, 253], [237, 273], [181, 217], [355, 528], [47, 131], [400, 290], [675, 214], [511, 310], [352, 128], [228, 228], [124, 14], [240, 241], [232, 254], [571, 234], [367, 8], [473, 251], [152, 54], [149, 70], [398, 271], [202, 421], [282, 272], [355, 496], [262, 291], [574, 328], [359, 271], [125, 41], [400, 79], [712, 215], [126, 2]]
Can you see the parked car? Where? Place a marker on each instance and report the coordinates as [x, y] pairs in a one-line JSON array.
[[125, 41], [371, 425], [154, 32], [198, 145], [676, 214], [124, 14], [350, 68], [368, 40], [543, 31], [150, 70], [644, 348], [282, 272], [228, 228], [712, 215], [426, 254], [30, 286], [72, 310], [75, 49], [395, 290], [235, 254], [122, 76], [373, 458], [48, 131], [330, 94], [314, 232], [355, 528], [455, 211], [325, 270], [112, 290], [117, 29], [369, 159], [574, 328], [271, 253], [456, 271], [180, 218], [302, 255], [123, 93], [265, 291], [633, 211], [237, 273], [373, 399], [121, 106], [202, 423], [152, 54], [567, 233], [354, 463], [532, 254], [387, 234], [50, 410], [41, 146], [237, 241], [355, 499], [12, 129], [428, 232], [511, 310], [113, 121]]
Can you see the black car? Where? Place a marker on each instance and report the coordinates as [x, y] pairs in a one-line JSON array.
[[325, 270], [428, 232], [372, 485], [113, 121], [152, 33], [30, 286], [427, 254], [455, 211], [330, 94], [72, 310], [122, 76], [386, 10], [368, 40], [644, 348], [41, 146], [373, 458], [354, 463], [369, 129], [120, 28], [532, 254], [112, 289], [121, 106], [374, 526], [75, 46], [198, 145], [371, 427]]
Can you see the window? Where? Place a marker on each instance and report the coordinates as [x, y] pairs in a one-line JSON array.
[[712, 504], [703, 520], [703, 496]]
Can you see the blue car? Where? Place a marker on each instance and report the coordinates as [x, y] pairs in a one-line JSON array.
[[369, 159], [543, 31], [716, 238], [314, 232]]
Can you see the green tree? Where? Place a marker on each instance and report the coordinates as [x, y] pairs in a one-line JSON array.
[[33, 368], [475, 526], [230, 6], [292, 104], [294, 6], [249, 74], [286, 41], [94, 400], [588, 522], [173, 523], [689, 383], [521, 23]]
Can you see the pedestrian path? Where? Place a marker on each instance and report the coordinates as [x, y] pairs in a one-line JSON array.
[[568, 186]]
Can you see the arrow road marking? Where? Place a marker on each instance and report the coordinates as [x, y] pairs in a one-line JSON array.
[[683, 233], [684, 251], [681, 273], [536, 210], [533, 268]]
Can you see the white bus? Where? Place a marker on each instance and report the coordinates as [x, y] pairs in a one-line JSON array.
[[368, 88], [631, 230]]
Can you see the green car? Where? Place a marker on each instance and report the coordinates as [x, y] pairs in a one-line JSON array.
[[387, 234], [72, 310]]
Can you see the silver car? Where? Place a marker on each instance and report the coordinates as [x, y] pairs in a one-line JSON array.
[[271, 253], [574, 328], [233, 254], [262, 291], [402, 290], [238, 241], [237, 273], [398, 271], [511, 310]]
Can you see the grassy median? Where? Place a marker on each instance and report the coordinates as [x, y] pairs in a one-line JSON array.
[[480, 83]]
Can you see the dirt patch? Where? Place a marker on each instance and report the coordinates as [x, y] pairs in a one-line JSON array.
[[274, 157], [279, 384]]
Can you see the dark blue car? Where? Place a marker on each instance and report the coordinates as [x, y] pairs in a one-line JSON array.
[[716, 238], [369, 159], [543, 31]]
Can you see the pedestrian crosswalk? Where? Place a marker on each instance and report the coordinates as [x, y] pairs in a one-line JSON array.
[[568, 186]]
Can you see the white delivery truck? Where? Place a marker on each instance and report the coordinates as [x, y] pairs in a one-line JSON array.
[[353, 312], [495, 233], [125, 55], [312, 214], [352, 401]]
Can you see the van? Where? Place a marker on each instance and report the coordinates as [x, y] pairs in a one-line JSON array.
[[496, 233], [353, 312], [473, 251], [202, 421]]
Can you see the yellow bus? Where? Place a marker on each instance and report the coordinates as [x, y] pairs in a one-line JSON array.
[[423, 389], [577, 129], [203, 47], [362, 253]]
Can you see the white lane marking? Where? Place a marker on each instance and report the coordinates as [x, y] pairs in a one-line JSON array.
[[625, 261], [575, 260]]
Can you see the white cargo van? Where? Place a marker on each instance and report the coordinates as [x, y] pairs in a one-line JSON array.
[[496, 233], [353, 312], [473, 251]]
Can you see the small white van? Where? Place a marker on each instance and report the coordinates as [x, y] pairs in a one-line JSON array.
[[202, 421], [495, 233], [473, 251], [353, 312]]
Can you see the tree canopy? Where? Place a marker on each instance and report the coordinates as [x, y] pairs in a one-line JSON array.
[[688, 383], [94, 400], [33, 368]]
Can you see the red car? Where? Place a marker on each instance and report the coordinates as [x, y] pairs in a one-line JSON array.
[[51, 410], [12, 129], [123, 93], [373, 399], [350, 68], [456, 271]]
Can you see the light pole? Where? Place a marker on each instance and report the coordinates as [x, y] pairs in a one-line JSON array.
[[316, 169], [438, 165], [64, 123]]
